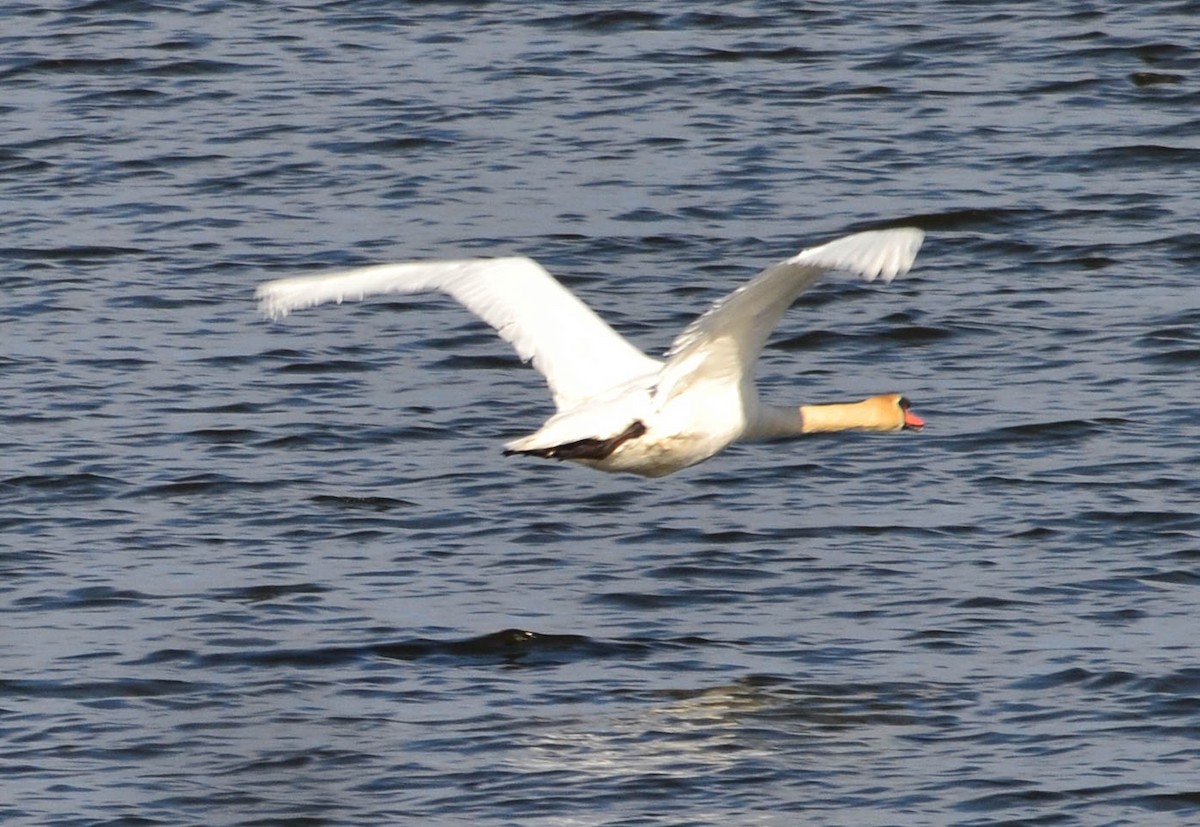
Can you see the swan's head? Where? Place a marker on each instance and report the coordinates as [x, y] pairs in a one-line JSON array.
[[909, 421], [889, 412]]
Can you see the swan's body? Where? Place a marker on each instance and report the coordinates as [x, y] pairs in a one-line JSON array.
[[619, 409]]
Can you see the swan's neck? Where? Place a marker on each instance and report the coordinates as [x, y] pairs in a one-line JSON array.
[[772, 422], [868, 415], [879, 413]]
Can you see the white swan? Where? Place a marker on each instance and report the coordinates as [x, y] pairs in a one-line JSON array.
[[619, 409]]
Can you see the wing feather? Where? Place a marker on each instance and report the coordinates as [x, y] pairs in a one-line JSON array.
[[577, 352], [727, 340]]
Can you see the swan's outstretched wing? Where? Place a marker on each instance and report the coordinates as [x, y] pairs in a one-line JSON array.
[[726, 341], [577, 352]]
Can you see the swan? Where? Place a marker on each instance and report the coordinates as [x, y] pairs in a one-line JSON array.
[[617, 408]]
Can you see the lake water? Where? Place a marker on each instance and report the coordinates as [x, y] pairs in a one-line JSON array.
[[266, 573]]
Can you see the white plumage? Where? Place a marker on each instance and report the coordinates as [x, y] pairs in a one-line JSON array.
[[619, 409]]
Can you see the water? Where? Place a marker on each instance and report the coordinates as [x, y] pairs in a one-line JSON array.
[[262, 573]]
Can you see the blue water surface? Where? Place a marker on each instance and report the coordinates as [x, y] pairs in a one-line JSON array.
[[259, 573]]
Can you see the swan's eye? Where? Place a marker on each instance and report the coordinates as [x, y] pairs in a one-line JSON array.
[[904, 403]]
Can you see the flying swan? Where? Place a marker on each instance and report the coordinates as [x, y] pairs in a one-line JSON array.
[[617, 408]]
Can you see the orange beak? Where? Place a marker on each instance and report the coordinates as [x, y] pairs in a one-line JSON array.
[[912, 421]]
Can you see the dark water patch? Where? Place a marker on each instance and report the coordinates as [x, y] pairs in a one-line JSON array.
[[158, 301], [545, 531], [17, 164], [668, 598], [1032, 533], [196, 68], [918, 334], [1183, 555], [364, 535], [270, 592], [1064, 87], [1036, 797], [1172, 335], [1182, 248], [349, 503], [1152, 54], [84, 397], [307, 439], [476, 362], [121, 98], [98, 690], [608, 502], [519, 645], [990, 220], [282, 354], [233, 360], [782, 54], [413, 433], [1120, 586], [644, 215], [1166, 802], [1133, 156], [388, 146], [1116, 208], [1116, 617], [278, 174], [603, 22], [1183, 357], [338, 366], [203, 484], [813, 340], [268, 179], [1087, 257], [1186, 680], [89, 67], [941, 640], [509, 647], [724, 573], [225, 436], [239, 407], [745, 53], [1161, 52], [1155, 78], [120, 364], [119, 7], [727, 21], [692, 535], [71, 254], [67, 486], [993, 603], [89, 597], [1054, 433], [1177, 521], [172, 162]]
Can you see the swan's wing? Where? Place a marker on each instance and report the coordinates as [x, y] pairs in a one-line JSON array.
[[726, 341], [577, 352]]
